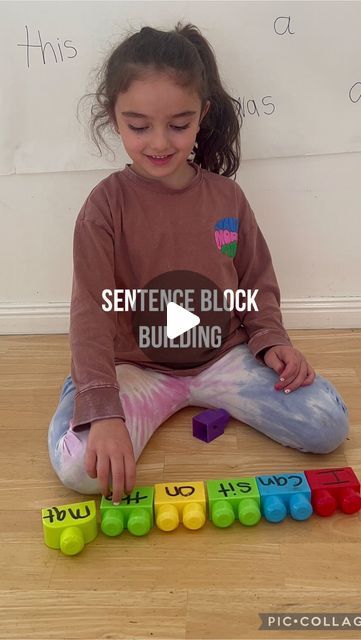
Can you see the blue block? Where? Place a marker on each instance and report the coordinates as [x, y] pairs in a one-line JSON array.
[[285, 494]]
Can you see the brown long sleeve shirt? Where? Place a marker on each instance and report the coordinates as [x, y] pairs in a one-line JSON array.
[[129, 230]]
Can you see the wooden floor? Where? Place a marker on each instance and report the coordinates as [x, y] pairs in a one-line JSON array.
[[212, 583]]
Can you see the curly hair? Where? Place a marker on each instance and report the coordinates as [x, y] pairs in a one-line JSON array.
[[188, 58]]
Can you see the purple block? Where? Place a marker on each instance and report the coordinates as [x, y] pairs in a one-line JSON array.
[[210, 424]]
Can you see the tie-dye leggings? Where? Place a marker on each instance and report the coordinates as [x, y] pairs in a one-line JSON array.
[[310, 419]]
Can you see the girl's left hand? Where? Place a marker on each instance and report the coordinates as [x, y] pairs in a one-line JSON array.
[[292, 367]]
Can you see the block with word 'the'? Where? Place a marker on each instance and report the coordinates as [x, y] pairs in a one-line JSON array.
[[134, 513]]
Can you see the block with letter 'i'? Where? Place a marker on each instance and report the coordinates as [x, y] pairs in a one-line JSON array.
[[332, 488]]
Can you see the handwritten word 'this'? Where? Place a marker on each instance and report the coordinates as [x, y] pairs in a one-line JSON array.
[[39, 48]]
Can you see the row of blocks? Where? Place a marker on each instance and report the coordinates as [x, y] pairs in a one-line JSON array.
[[165, 505]]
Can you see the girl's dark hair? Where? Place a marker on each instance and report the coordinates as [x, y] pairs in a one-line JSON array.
[[188, 58]]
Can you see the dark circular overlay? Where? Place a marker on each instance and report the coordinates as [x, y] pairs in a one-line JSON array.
[[195, 345]]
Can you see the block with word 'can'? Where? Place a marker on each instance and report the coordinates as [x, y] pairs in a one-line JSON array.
[[176, 502], [134, 513], [285, 494], [233, 498], [69, 527]]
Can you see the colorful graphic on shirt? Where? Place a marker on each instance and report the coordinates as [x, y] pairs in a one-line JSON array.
[[226, 235]]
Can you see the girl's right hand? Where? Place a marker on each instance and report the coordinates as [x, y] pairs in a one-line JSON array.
[[110, 448]]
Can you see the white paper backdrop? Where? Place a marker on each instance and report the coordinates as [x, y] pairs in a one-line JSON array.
[[295, 67]]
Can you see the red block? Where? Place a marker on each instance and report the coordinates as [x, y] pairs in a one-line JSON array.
[[332, 488]]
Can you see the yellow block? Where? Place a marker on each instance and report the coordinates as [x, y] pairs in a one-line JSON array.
[[176, 502], [69, 526]]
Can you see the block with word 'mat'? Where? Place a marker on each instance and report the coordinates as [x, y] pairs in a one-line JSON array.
[[134, 513], [176, 502], [285, 494], [69, 527], [233, 498]]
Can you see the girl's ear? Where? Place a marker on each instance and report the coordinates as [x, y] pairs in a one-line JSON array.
[[205, 110]]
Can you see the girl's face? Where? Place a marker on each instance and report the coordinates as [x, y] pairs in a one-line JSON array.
[[156, 117]]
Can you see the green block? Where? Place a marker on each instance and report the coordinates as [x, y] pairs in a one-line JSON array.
[[69, 527], [135, 513], [233, 498]]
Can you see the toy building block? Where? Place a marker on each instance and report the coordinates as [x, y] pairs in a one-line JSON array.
[[287, 493], [233, 498], [176, 502], [69, 526], [332, 488], [210, 424], [134, 513]]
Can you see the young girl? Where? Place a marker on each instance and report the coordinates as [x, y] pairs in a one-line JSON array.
[[162, 93]]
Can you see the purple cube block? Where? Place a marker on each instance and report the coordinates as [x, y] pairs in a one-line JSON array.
[[210, 424]]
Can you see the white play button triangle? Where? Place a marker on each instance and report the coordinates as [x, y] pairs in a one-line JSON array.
[[179, 320]]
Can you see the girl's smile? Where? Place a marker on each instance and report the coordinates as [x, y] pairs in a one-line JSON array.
[[160, 161]]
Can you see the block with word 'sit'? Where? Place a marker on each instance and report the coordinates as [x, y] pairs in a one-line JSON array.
[[69, 527], [134, 513], [332, 488], [176, 502], [233, 498], [285, 494]]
